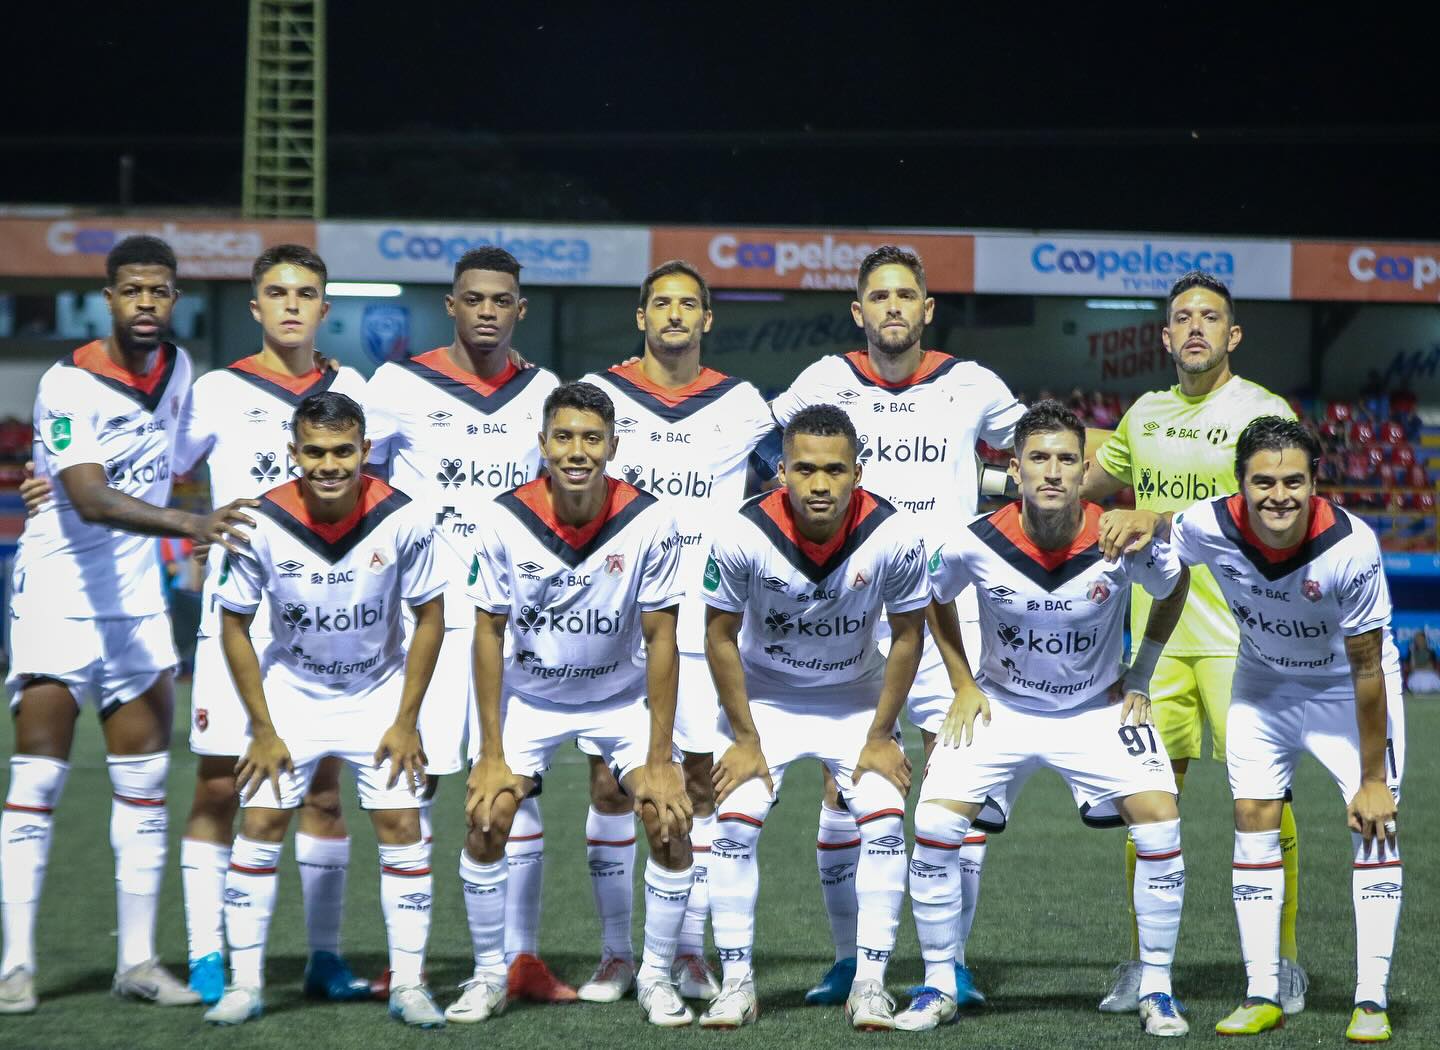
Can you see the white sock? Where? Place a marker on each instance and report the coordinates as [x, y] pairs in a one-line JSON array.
[[323, 863], [735, 878], [937, 887], [1159, 898], [666, 895], [484, 886], [249, 904], [406, 891], [837, 852], [972, 861], [692, 930], [138, 830], [25, 830], [879, 888], [202, 878], [1257, 883], [610, 851], [1376, 886], [525, 856]]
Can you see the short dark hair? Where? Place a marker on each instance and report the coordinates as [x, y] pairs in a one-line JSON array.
[[587, 397], [822, 421], [295, 254], [1199, 279], [667, 269], [1275, 434], [488, 257], [139, 250], [330, 410], [1047, 417], [888, 255]]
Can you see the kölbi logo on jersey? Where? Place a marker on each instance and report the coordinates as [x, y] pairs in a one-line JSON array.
[[1175, 486], [917, 448], [454, 473], [782, 623], [298, 616], [690, 484], [579, 621]]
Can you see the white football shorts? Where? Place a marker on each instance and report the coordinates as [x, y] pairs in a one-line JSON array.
[[104, 662], [618, 731]]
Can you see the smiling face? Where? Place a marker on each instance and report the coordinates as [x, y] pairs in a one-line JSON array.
[[289, 303], [1049, 470], [141, 302], [1277, 488], [893, 309], [330, 461], [820, 474], [576, 444], [1200, 333], [674, 318], [486, 305]]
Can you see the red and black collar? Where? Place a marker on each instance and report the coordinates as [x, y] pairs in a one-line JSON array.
[[332, 540], [672, 404], [531, 506], [1050, 569], [772, 514], [1326, 529], [147, 389]]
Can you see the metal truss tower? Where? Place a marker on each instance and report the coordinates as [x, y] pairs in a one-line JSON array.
[[284, 168]]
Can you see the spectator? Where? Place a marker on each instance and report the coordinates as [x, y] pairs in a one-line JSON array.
[[1420, 665]]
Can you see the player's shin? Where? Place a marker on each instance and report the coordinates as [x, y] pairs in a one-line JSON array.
[[249, 905], [138, 835], [610, 852], [837, 852], [525, 862], [1258, 888], [25, 829], [485, 892], [1376, 887], [735, 877], [1159, 899], [406, 890], [937, 890], [697, 908], [202, 880], [666, 894], [323, 864], [879, 875]]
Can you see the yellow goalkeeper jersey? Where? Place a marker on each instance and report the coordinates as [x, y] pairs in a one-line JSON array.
[[1175, 450]]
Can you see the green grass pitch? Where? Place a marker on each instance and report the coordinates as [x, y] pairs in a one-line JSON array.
[[1051, 925]]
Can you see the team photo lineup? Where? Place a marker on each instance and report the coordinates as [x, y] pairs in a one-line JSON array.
[[468, 567]]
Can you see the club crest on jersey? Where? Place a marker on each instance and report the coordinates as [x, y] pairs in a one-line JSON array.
[[1311, 590], [860, 581], [377, 562], [1099, 592], [202, 719], [614, 564]]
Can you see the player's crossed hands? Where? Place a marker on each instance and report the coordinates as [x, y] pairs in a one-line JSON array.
[[1126, 531], [401, 744], [265, 759], [661, 785], [959, 727], [489, 779]]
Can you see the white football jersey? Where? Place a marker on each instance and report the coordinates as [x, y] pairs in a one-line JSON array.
[[89, 410], [691, 446], [239, 423], [810, 610], [334, 589], [454, 442], [575, 595], [1295, 607], [1051, 622]]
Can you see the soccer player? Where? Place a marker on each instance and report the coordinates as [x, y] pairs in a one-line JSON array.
[[1052, 615], [578, 568], [1317, 671], [335, 554], [456, 427], [796, 583], [88, 615], [1173, 447], [919, 414], [694, 432]]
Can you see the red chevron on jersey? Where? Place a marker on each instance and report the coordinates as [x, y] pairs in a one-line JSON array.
[[776, 519], [1003, 533], [288, 388], [533, 506], [485, 395], [933, 365], [1323, 533], [146, 388], [672, 403], [286, 507]]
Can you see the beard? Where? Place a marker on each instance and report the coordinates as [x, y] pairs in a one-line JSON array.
[[131, 344], [1198, 367], [893, 341]]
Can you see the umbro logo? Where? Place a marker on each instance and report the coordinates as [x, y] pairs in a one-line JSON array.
[[1151, 427], [1231, 573], [256, 415], [835, 871], [529, 566], [417, 898], [773, 583], [1384, 887], [726, 844], [1175, 878], [1246, 890], [889, 842], [235, 895], [290, 567], [439, 418], [117, 422], [598, 866], [920, 867], [1001, 593], [625, 423], [847, 394]]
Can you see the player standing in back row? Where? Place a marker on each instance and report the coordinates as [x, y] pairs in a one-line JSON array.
[[1173, 447], [1317, 671], [89, 624], [919, 414]]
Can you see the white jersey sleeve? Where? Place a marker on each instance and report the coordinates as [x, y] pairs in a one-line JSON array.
[[488, 584], [1364, 592], [907, 585], [419, 580], [726, 584], [660, 583], [1156, 568], [1184, 537], [1000, 412], [241, 583], [198, 431], [949, 574], [66, 422], [807, 389]]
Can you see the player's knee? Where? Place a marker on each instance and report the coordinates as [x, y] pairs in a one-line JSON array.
[[216, 797], [938, 823], [321, 814], [606, 795], [264, 825], [1258, 814], [36, 782], [1149, 807], [139, 777], [396, 827], [739, 821], [487, 847], [698, 783], [831, 790]]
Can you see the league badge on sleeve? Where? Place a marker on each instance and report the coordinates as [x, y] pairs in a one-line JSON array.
[[57, 434]]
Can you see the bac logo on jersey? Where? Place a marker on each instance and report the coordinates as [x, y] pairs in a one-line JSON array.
[[614, 564], [377, 562], [348, 576], [1311, 590], [893, 406], [1099, 592], [670, 437]]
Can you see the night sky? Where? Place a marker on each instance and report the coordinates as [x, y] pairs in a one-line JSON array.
[[1183, 118]]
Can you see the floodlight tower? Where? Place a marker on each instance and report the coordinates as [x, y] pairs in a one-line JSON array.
[[284, 168]]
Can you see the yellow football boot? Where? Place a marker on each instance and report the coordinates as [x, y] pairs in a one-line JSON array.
[[1252, 1017]]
